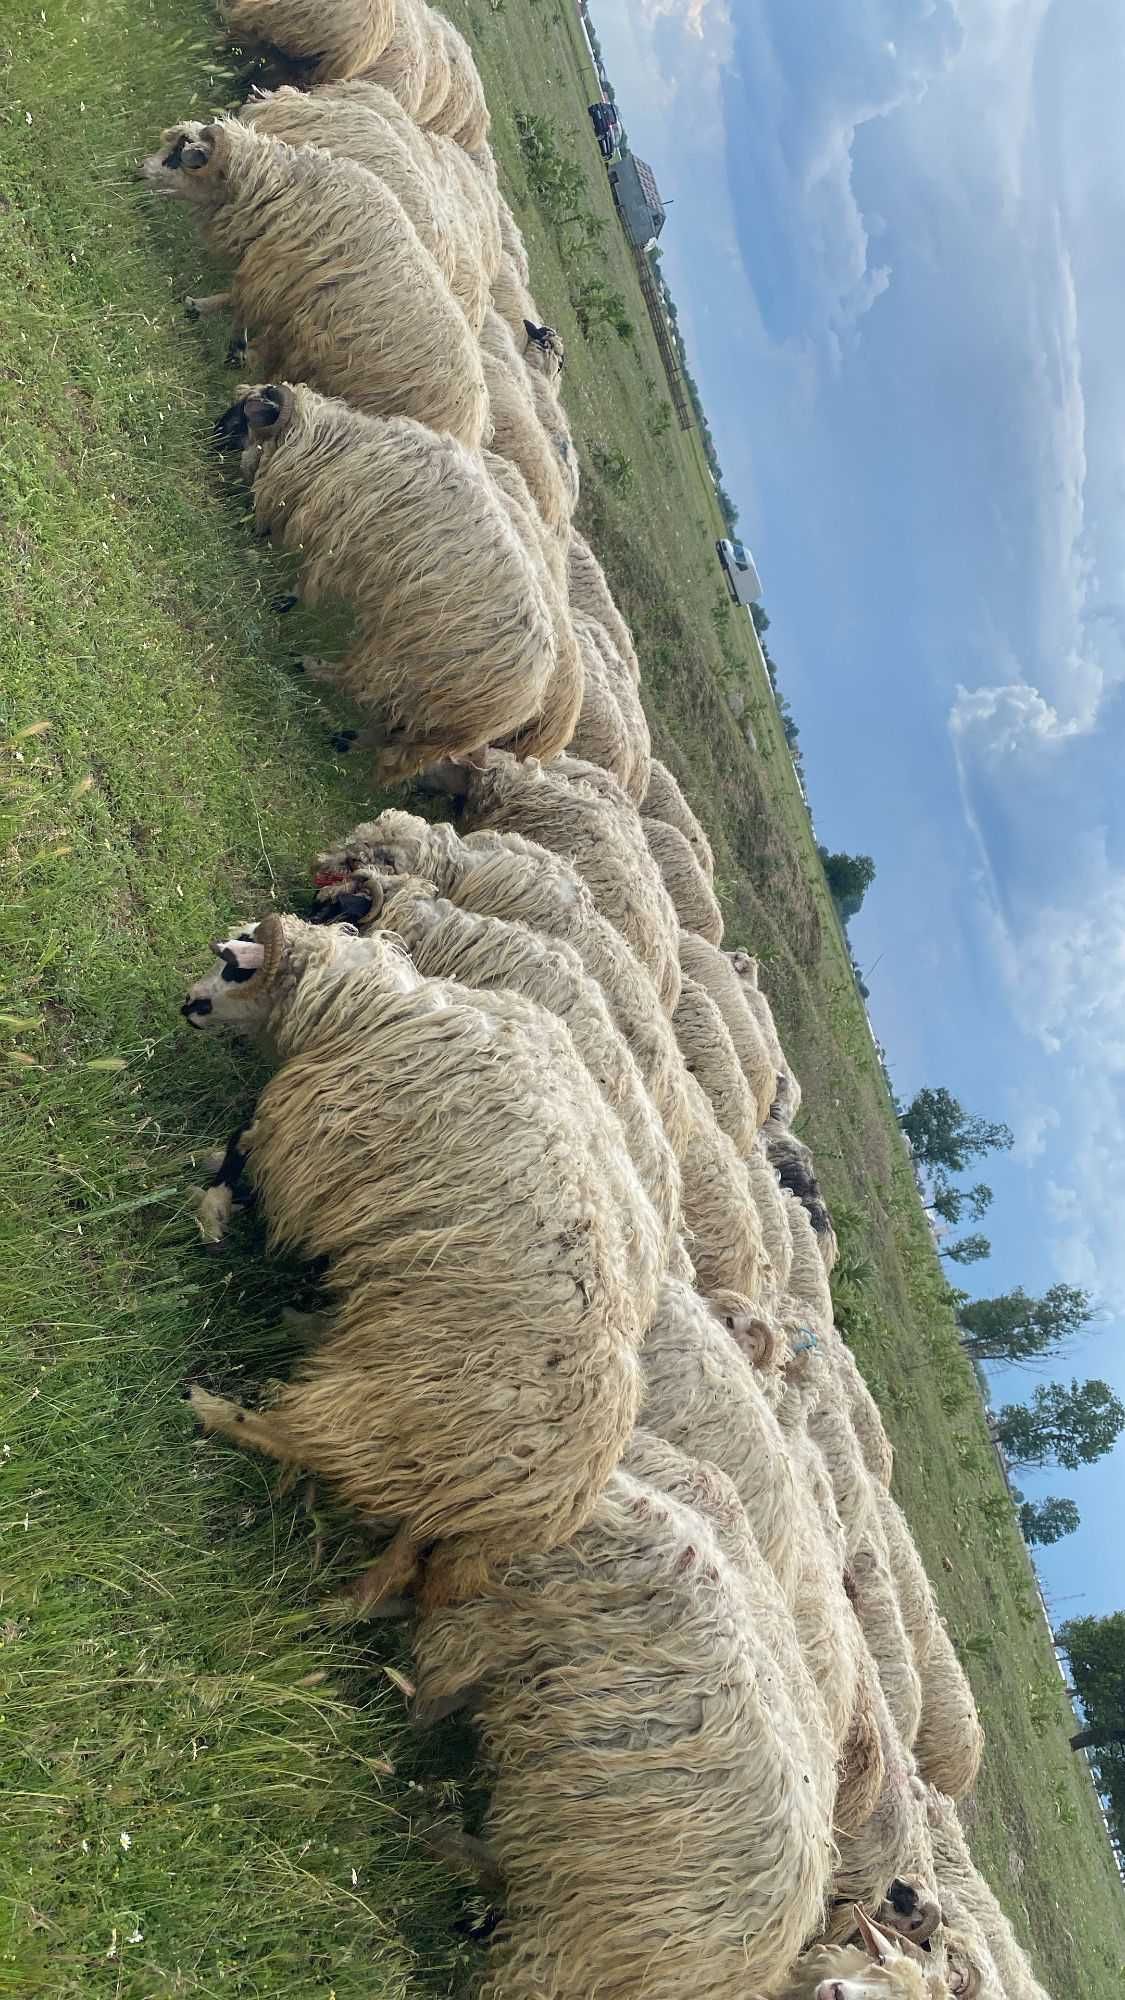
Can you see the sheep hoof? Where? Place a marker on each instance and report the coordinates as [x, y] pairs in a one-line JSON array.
[[284, 603], [343, 740], [212, 1213], [236, 352], [191, 308]]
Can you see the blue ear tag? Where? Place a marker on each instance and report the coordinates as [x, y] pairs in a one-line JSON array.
[[803, 1346]]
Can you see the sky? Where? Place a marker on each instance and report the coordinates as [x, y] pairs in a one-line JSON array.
[[894, 242]]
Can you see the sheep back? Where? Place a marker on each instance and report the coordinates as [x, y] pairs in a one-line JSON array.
[[693, 897], [665, 800]]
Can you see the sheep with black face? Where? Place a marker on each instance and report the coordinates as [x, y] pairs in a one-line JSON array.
[[491, 1256]]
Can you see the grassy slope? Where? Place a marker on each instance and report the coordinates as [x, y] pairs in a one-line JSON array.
[[159, 1679]]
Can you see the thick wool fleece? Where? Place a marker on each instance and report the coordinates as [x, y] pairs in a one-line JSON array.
[[649, 1810], [489, 1246], [456, 643]]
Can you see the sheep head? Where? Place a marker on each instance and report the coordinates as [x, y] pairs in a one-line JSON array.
[[240, 992], [911, 1909], [258, 418], [881, 1967], [750, 1331], [545, 349], [190, 164]]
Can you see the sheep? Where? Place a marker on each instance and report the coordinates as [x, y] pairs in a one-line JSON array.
[[326, 43], [575, 810], [445, 942], [971, 1903], [888, 1863], [541, 346], [664, 800], [709, 1053], [693, 898], [363, 123], [491, 1254], [514, 247], [711, 969], [455, 641], [463, 115], [701, 1394], [612, 730], [792, 1161], [331, 274], [772, 1215], [867, 1422], [401, 67], [949, 1741], [881, 1967], [504, 875], [648, 1812], [478, 196], [553, 418], [877, 1608], [517, 431], [808, 1279], [589, 592], [562, 701], [788, 1101], [438, 72]]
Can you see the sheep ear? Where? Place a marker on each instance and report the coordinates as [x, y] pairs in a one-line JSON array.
[[197, 152], [533, 332]]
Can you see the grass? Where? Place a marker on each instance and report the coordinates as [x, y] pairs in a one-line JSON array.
[[204, 1793]]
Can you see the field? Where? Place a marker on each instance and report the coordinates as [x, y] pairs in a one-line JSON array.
[[205, 1794]]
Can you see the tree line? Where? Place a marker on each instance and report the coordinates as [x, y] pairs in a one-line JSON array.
[[1063, 1424]]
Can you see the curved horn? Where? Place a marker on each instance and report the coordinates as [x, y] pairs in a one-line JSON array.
[[270, 934], [881, 1944]]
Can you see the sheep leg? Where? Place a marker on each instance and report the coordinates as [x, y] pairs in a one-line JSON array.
[[197, 307], [227, 1187], [257, 1430], [391, 1575], [461, 1850], [238, 349]]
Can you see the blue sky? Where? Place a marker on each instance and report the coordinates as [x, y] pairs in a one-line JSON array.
[[896, 248]]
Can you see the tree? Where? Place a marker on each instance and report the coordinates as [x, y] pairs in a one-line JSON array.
[[942, 1134], [761, 619], [968, 1250], [849, 877], [956, 1204], [1095, 1648], [1017, 1327], [1045, 1521], [1062, 1426]]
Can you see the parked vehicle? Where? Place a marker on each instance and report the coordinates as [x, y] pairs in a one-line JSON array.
[[603, 117], [743, 581]]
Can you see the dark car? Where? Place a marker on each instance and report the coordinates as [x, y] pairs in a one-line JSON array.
[[604, 119]]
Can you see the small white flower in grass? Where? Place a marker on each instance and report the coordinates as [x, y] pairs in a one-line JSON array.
[[126, 1841], [27, 116], [136, 1936], [355, 1880]]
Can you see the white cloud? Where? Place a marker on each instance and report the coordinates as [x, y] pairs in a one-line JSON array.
[[1032, 1126]]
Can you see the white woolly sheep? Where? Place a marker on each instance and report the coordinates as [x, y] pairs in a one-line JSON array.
[[456, 643], [769, 1202], [702, 1394], [877, 1608], [445, 942], [867, 1421], [517, 433], [879, 1967], [492, 1255], [330, 273], [514, 247], [589, 592], [612, 731], [949, 1741], [362, 122], [504, 875], [888, 1864], [788, 1101], [724, 1233], [401, 68], [648, 1811], [808, 1279], [553, 418], [664, 800], [332, 40], [970, 1902], [575, 810], [711, 969], [693, 898], [463, 115], [709, 1053]]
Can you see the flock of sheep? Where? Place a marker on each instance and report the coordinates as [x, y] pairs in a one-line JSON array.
[[576, 1369]]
